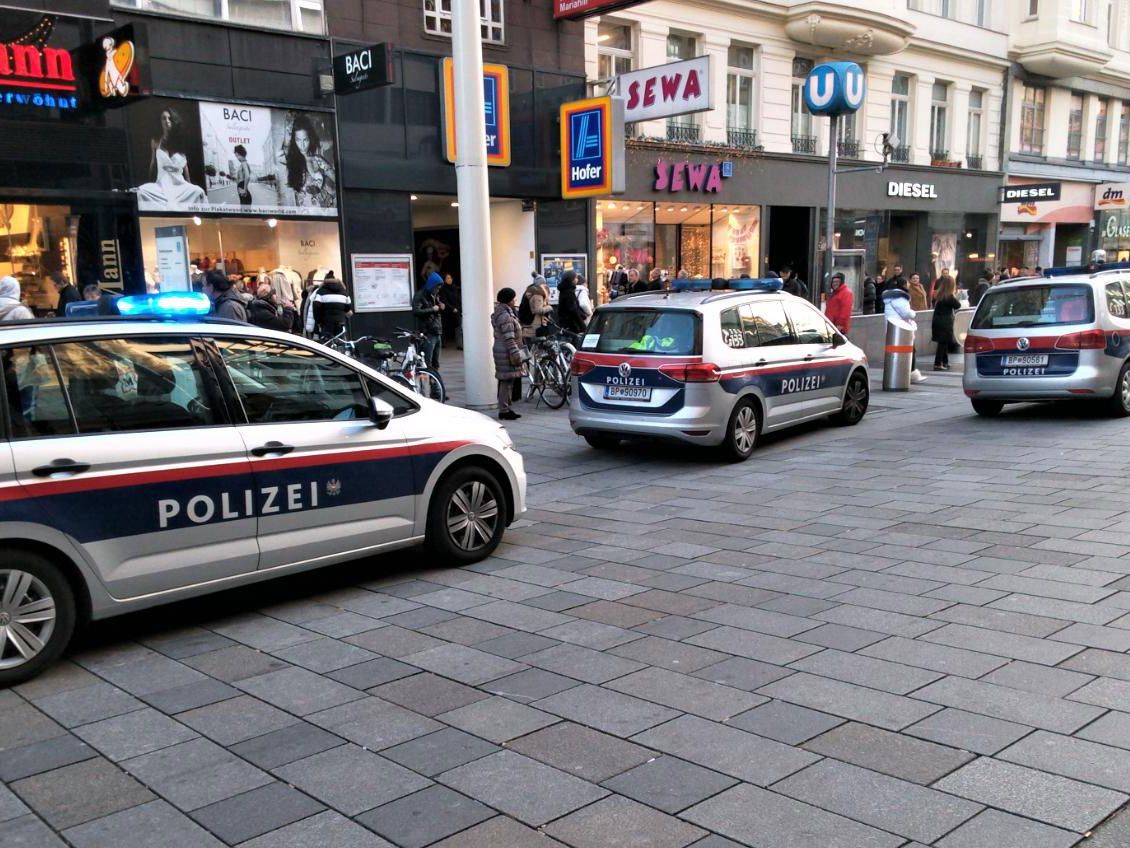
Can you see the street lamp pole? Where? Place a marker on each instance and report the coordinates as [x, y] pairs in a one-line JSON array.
[[475, 261]]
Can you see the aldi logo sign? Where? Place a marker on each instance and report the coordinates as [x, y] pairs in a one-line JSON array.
[[592, 147], [496, 110]]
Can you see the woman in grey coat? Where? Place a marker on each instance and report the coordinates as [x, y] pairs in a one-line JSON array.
[[509, 364]]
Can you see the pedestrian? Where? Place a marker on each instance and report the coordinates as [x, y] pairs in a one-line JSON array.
[[584, 299], [978, 292], [941, 325], [535, 308], [870, 294], [617, 282], [265, 310], [793, 284], [918, 299], [569, 313], [107, 303], [226, 302], [330, 308], [67, 292], [451, 296], [428, 309], [897, 310], [509, 354], [635, 284], [10, 307], [840, 303]]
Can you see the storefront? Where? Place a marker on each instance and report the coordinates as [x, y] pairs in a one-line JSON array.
[[1112, 221], [64, 205], [1044, 223]]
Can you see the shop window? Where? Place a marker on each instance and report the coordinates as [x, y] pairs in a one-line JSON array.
[[1100, 130], [803, 137], [1075, 128], [437, 19], [900, 117], [740, 93], [1124, 135], [736, 241], [613, 49], [1032, 120], [682, 239], [294, 15], [939, 109], [625, 239], [976, 129], [37, 242]]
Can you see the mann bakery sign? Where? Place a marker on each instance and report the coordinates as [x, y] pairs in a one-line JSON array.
[[36, 74]]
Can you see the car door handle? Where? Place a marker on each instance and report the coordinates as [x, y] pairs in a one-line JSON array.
[[760, 362], [277, 448], [61, 466], [809, 357]]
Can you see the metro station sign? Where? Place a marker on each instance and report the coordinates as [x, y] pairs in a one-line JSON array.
[[572, 9], [496, 106]]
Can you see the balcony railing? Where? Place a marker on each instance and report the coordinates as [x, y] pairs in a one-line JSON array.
[[943, 155], [741, 137], [901, 154], [977, 163], [804, 144], [683, 132], [847, 149]]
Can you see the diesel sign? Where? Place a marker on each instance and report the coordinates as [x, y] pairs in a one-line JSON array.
[[1030, 193]]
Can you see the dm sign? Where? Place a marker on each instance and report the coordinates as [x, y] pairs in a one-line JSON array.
[[835, 88], [592, 147], [496, 105]]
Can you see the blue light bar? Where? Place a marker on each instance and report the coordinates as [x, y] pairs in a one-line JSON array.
[[768, 284], [166, 304]]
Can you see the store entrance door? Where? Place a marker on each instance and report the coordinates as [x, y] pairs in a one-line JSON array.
[[790, 238]]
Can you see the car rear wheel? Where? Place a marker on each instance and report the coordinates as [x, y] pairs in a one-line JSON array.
[[856, 397], [742, 432], [602, 441], [1119, 403], [466, 516], [988, 408], [37, 615]]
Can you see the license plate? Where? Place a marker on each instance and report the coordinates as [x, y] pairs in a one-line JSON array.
[[1015, 360], [627, 393]]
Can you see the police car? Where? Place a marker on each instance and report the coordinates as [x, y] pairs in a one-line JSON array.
[[1057, 338], [144, 461], [713, 368]]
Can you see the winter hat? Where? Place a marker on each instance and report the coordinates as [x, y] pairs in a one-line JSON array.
[[10, 288], [539, 280], [433, 280]]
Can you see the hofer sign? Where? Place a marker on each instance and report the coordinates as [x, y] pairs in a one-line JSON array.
[[592, 147], [677, 88]]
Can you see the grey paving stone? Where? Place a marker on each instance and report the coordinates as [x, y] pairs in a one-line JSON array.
[[727, 749], [1012, 645], [1103, 663], [980, 734], [497, 719], [28, 832], [236, 719], [890, 753], [189, 697], [1077, 758], [324, 655], [351, 780], [286, 745], [754, 646], [518, 616], [880, 621], [761, 620], [755, 816], [581, 751], [467, 665], [866, 671], [60, 677], [299, 691], [714, 841], [138, 670], [428, 694], [324, 829], [590, 634], [11, 806], [530, 685], [515, 645], [133, 734], [1111, 729], [425, 817], [343, 624], [1040, 679], [196, 774], [90, 703], [235, 663], [669, 654], [466, 631], [376, 672], [394, 641], [499, 832], [523, 788], [840, 636], [612, 712], [582, 663], [137, 827], [374, 723], [619, 613], [669, 784], [262, 632], [784, 722], [741, 673], [24, 724], [686, 694], [912, 811], [1113, 833], [1034, 794], [81, 792], [1002, 830], [1028, 708], [1103, 693], [938, 658], [439, 752], [617, 822], [848, 700], [558, 601], [256, 812], [675, 627], [799, 605], [17, 763]]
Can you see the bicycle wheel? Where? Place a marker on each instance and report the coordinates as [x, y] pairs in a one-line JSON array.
[[554, 391], [430, 385]]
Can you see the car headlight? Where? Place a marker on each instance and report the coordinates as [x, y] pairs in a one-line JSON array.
[[504, 437]]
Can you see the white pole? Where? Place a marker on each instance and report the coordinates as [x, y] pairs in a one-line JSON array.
[[474, 204]]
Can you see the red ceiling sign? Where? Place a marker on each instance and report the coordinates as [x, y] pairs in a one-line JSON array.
[[572, 9]]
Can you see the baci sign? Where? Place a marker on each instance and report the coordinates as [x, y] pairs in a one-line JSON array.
[[364, 68]]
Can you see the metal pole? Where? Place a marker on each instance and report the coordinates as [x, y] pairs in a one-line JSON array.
[[475, 263], [830, 224]]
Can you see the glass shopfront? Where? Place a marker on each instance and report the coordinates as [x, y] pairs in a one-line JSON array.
[[1113, 234]]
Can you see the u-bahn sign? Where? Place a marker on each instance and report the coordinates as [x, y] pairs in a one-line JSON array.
[[571, 9], [835, 88]]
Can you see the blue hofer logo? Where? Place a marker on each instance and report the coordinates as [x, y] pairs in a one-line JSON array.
[[835, 88], [490, 101], [586, 155]]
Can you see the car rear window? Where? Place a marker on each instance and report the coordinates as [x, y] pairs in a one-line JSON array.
[[655, 332], [1040, 305]]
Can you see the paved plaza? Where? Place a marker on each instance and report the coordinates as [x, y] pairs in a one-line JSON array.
[[913, 632]]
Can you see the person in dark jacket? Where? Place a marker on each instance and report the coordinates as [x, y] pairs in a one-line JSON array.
[[507, 351], [941, 326], [67, 292], [428, 309], [978, 291], [265, 311], [870, 295], [451, 296], [569, 312], [330, 307], [793, 284], [226, 302]]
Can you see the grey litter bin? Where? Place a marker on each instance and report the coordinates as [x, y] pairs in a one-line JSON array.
[[898, 359]]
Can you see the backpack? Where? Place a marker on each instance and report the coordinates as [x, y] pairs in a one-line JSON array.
[[525, 311]]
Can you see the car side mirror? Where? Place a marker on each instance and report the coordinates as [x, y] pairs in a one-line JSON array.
[[839, 340], [380, 412]]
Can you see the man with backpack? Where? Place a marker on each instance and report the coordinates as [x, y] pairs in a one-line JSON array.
[[535, 309]]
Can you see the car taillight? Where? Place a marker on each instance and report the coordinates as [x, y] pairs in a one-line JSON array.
[[581, 366], [697, 372], [978, 344], [1087, 340]]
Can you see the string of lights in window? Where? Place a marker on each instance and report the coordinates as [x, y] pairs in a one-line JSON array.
[[38, 35]]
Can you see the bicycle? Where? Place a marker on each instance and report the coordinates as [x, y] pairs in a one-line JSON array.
[[408, 369], [553, 351], [414, 370]]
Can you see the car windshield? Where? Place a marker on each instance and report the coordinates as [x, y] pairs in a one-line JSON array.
[[1041, 305], [655, 332]]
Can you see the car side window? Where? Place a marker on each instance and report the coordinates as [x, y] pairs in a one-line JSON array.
[[132, 384], [768, 320], [399, 403], [731, 324], [1116, 299], [37, 404], [811, 327], [281, 382]]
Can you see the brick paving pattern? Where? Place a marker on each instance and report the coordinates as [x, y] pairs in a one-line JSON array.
[[909, 633]]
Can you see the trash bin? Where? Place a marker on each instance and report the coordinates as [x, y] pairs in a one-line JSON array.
[[899, 358]]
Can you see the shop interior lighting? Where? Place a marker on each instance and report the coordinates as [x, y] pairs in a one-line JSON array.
[[415, 197], [272, 222], [196, 220], [455, 204]]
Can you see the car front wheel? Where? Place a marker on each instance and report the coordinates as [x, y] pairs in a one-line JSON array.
[[1119, 403], [742, 432], [856, 397], [37, 615], [466, 516], [987, 408]]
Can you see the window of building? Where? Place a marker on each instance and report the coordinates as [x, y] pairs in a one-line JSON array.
[[685, 127], [900, 116], [295, 15], [981, 13], [1032, 120], [847, 136], [939, 106], [1124, 135], [681, 47], [804, 139], [976, 129], [740, 83], [1033, 8], [1075, 128], [966, 11], [437, 19], [1100, 131], [1081, 11], [613, 49]]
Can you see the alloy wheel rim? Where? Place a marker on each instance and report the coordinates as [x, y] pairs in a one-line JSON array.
[[856, 401], [1126, 391], [27, 617], [472, 516], [745, 429]]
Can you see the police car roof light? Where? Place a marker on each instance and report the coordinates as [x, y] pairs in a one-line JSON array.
[[766, 284], [166, 304], [1066, 270]]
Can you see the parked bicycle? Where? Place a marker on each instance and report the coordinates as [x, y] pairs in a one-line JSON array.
[[408, 368], [553, 349]]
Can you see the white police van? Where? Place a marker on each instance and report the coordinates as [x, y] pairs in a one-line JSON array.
[[143, 461]]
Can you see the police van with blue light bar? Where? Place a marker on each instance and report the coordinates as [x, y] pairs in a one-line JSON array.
[[713, 367], [162, 454]]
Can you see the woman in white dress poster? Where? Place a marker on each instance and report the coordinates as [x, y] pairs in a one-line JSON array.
[[172, 187]]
